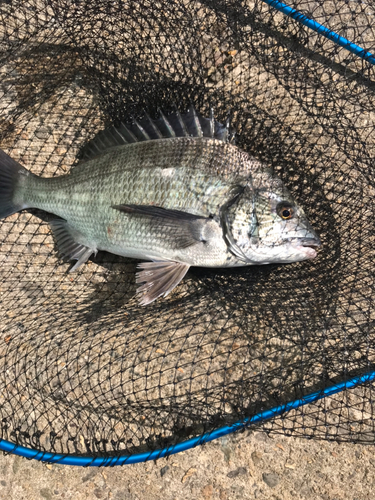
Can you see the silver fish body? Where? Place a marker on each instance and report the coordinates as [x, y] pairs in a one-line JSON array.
[[175, 201], [169, 173]]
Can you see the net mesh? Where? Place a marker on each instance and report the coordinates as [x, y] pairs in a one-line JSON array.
[[83, 368]]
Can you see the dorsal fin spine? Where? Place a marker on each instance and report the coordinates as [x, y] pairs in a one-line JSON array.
[[142, 130], [182, 123], [120, 135], [107, 142], [102, 143], [129, 132], [154, 127], [197, 123], [212, 122], [166, 123]]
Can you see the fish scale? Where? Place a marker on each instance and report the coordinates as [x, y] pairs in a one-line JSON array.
[[85, 197]]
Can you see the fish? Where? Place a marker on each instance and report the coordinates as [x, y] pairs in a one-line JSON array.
[[173, 192]]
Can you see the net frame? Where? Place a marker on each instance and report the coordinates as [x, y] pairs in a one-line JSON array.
[[96, 461]]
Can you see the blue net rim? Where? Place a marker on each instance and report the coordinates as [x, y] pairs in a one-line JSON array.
[[98, 461]]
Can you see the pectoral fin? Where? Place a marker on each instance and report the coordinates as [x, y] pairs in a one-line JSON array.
[[158, 278], [159, 212], [181, 229], [67, 243]]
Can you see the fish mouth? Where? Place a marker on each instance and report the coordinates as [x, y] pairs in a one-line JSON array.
[[309, 242], [308, 246]]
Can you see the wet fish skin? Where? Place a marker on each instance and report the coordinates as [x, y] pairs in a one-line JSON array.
[[142, 177], [179, 201]]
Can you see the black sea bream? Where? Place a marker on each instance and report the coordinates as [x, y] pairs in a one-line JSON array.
[[174, 191]]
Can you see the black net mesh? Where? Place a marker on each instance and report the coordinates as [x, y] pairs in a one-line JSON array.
[[83, 368]]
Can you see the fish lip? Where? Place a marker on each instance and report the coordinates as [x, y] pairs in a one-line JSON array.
[[310, 242]]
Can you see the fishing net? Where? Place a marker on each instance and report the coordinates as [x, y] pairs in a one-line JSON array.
[[84, 369]]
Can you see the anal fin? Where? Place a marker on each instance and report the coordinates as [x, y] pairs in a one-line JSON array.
[[67, 243], [158, 278]]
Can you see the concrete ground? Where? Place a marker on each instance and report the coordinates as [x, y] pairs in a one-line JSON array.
[[243, 466]]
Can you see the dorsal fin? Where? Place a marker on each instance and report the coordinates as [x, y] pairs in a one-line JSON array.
[[191, 124], [142, 131]]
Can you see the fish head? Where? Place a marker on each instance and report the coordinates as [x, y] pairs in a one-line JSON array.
[[268, 226]]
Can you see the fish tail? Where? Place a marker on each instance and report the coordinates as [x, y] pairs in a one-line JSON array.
[[12, 176]]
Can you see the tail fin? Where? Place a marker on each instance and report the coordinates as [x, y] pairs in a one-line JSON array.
[[11, 174]]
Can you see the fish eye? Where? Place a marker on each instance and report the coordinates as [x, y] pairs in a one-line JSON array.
[[285, 210]]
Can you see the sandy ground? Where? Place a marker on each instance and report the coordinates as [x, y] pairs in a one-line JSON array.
[[242, 466]]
